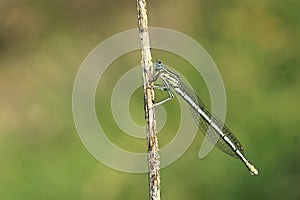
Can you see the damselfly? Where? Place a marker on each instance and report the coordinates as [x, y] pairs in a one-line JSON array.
[[210, 125]]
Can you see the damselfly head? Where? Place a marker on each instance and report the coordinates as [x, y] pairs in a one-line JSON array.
[[158, 65]]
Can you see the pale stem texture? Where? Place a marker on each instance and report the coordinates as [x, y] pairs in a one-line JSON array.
[[147, 69]]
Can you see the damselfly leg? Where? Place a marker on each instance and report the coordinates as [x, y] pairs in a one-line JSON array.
[[164, 87]]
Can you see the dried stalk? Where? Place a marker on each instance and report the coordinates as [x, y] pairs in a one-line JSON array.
[[147, 68]]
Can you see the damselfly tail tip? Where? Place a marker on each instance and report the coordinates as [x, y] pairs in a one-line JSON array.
[[252, 169]]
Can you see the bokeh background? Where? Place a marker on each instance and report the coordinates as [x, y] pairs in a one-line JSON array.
[[42, 44]]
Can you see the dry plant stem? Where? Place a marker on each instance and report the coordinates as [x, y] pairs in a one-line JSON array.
[[147, 67]]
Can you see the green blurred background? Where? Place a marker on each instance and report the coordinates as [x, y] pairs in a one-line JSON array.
[[42, 44]]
